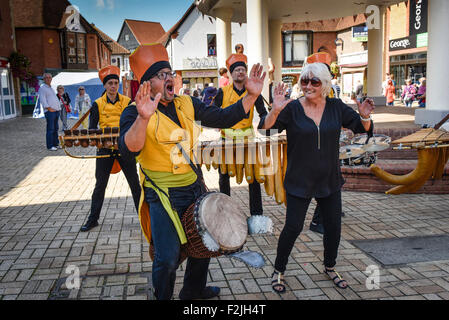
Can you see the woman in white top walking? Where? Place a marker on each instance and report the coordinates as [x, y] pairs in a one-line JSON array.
[[83, 104]]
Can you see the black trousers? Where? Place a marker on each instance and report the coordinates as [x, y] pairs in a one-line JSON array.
[[102, 173], [255, 196], [294, 223]]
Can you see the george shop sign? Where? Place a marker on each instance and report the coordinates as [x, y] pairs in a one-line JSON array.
[[403, 43], [418, 16]]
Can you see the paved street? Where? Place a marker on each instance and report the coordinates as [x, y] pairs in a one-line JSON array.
[[45, 198]]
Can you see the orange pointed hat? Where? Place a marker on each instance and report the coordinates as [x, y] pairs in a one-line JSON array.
[[108, 73], [235, 60], [322, 57], [147, 60]]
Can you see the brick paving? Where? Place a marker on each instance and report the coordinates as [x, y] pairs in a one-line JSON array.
[[45, 198]]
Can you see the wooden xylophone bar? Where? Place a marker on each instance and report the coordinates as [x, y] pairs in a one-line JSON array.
[[261, 159]]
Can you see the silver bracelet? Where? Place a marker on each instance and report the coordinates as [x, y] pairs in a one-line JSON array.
[[366, 119]]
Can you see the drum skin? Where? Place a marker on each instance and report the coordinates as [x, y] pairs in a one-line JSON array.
[[221, 216]]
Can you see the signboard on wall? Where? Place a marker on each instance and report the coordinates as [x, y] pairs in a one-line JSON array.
[[291, 70], [199, 63], [418, 17], [421, 40], [403, 43], [200, 74], [360, 34]]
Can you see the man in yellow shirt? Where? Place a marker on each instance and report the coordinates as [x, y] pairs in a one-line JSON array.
[[105, 112], [152, 129], [226, 96]]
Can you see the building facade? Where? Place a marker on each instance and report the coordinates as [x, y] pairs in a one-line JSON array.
[[192, 47], [136, 32], [55, 37], [334, 36], [8, 101], [407, 41], [119, 54]]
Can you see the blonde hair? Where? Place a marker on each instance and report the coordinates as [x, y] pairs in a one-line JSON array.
[[320, 71]]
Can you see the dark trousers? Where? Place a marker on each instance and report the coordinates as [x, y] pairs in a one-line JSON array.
[[52, 129], [255, 196], [102, 173], [294, 222], [167, 246]]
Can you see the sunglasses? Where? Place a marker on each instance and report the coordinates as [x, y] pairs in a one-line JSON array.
[[314, 81]]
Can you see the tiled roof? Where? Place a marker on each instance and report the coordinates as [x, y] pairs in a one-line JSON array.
[[116, 47], [145, 31]]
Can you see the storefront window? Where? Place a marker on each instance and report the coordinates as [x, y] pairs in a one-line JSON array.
[[296, 47]]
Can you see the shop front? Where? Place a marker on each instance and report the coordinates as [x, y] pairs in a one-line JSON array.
[[352, 67], [199, 71], [408, 66], [7, 100]]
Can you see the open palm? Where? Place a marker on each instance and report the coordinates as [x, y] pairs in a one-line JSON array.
[[279, 100], [366, 107], [146, 106], [254, 83]]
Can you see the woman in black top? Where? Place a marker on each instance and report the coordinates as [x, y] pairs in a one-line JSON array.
[[313, 123]]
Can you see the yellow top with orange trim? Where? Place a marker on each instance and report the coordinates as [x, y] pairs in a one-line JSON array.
[[160, 152], [109, 114], [229, 98]]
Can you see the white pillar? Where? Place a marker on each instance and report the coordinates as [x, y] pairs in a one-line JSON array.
[[375, 61], [257, 36], [254, 31], [275, 44], [223, 27], [437, 86]]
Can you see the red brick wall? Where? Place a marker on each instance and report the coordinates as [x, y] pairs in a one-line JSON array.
[[41, 46], [326, 40], [52, 49], [6, 39], [29, 43], [92, 51]]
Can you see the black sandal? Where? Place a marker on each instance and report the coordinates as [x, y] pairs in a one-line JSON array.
[[278, 283], [337, 276]]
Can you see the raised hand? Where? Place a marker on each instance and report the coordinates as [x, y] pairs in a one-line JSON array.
[[279, 100], [254, 83], [145, 105], [366, 107]]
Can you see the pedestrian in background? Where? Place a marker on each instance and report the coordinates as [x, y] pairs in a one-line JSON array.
[[64, 101], [224, 78], [209, 94], [83, 104], [422, 93], [359, 92], [409, 92], [389, 93], [52, 107]]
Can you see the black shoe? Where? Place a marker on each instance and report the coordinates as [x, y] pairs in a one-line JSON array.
[[316, 227], [342, 214], [89, 225], [208, 293]]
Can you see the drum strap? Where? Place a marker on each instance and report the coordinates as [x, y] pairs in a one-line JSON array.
[[195, 169]]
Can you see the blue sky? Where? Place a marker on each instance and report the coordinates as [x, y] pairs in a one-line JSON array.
[[108, 15]]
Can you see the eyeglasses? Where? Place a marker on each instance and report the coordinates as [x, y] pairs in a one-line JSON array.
[[165, 75], [314, 81], [240, 70]]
